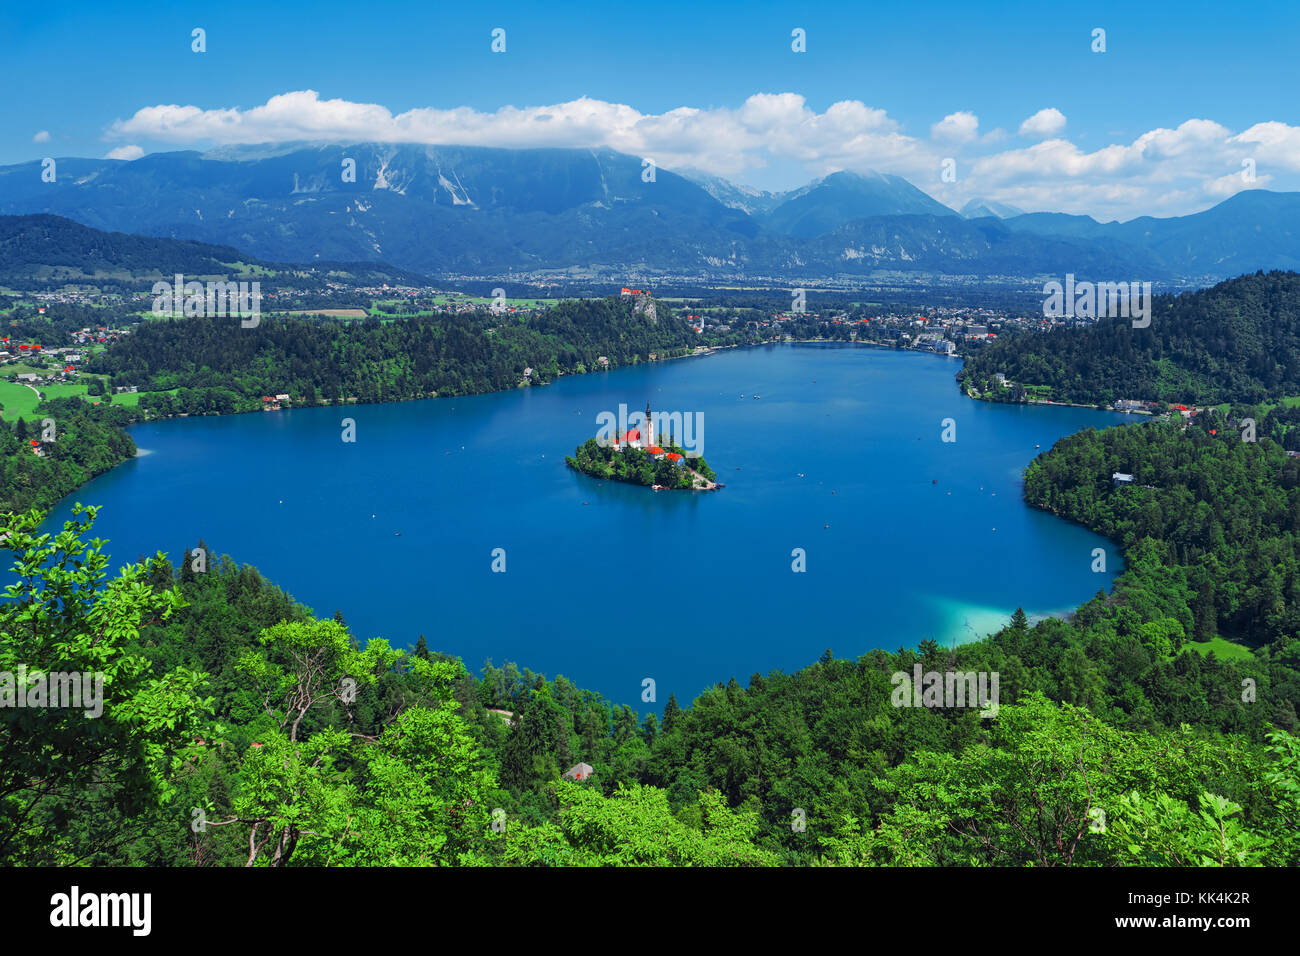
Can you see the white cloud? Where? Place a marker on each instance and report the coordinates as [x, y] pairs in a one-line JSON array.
[[42, 137], [848, 135], [125, 152], [1233, 183], [1161, 172], [1271, 144], [1043, 124], [960, 127]]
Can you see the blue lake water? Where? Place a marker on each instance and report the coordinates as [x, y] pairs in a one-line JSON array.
[[607, 583]]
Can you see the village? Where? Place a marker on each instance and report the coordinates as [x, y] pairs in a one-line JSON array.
[[32, 372], [52, 364]]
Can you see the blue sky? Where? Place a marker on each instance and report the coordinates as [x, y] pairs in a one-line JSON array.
[[81, 74]]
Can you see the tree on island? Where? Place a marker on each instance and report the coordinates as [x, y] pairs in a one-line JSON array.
[[636, 466]]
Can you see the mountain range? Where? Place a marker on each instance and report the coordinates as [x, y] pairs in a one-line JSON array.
[[42, 250], [453, 211], [977, 208]]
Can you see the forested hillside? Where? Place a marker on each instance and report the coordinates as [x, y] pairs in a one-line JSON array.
[[220, 366], [86, 442], [42, 249], [1236, 342], [1225, 514]]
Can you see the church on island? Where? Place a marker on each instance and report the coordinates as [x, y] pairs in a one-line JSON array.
[[642, 455], [633, 438]]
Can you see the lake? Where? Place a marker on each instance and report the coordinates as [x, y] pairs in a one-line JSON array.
[[905, 536]]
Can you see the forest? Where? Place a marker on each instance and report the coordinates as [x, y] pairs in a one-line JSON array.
[[86, 441], [242, 729], [1236, 342], [219, 366]]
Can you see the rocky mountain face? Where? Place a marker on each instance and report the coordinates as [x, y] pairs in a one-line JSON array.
[[476, 211]]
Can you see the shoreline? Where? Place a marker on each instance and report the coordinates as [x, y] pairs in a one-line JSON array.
[[701, 352], [968, 635]]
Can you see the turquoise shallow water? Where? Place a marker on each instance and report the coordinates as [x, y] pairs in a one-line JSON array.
[[610, 584]]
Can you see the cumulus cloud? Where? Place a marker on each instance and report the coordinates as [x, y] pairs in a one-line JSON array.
[[1163, 172], [42, 137], [1160, 172], [1043, 124], [125, 152], [960, 127], [1232, 183], [1272, 143], [847, 134]]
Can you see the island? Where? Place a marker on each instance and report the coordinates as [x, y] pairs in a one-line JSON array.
[[638, 460]]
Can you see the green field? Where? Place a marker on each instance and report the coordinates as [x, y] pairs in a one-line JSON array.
[[63, 391], [1290, 401], [19, 401], [1223, 650], [132, 399]]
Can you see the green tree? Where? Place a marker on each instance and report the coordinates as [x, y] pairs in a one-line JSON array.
[[292, 781], [64, 616], [636, 827], [672, 710], [1038, 793]]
